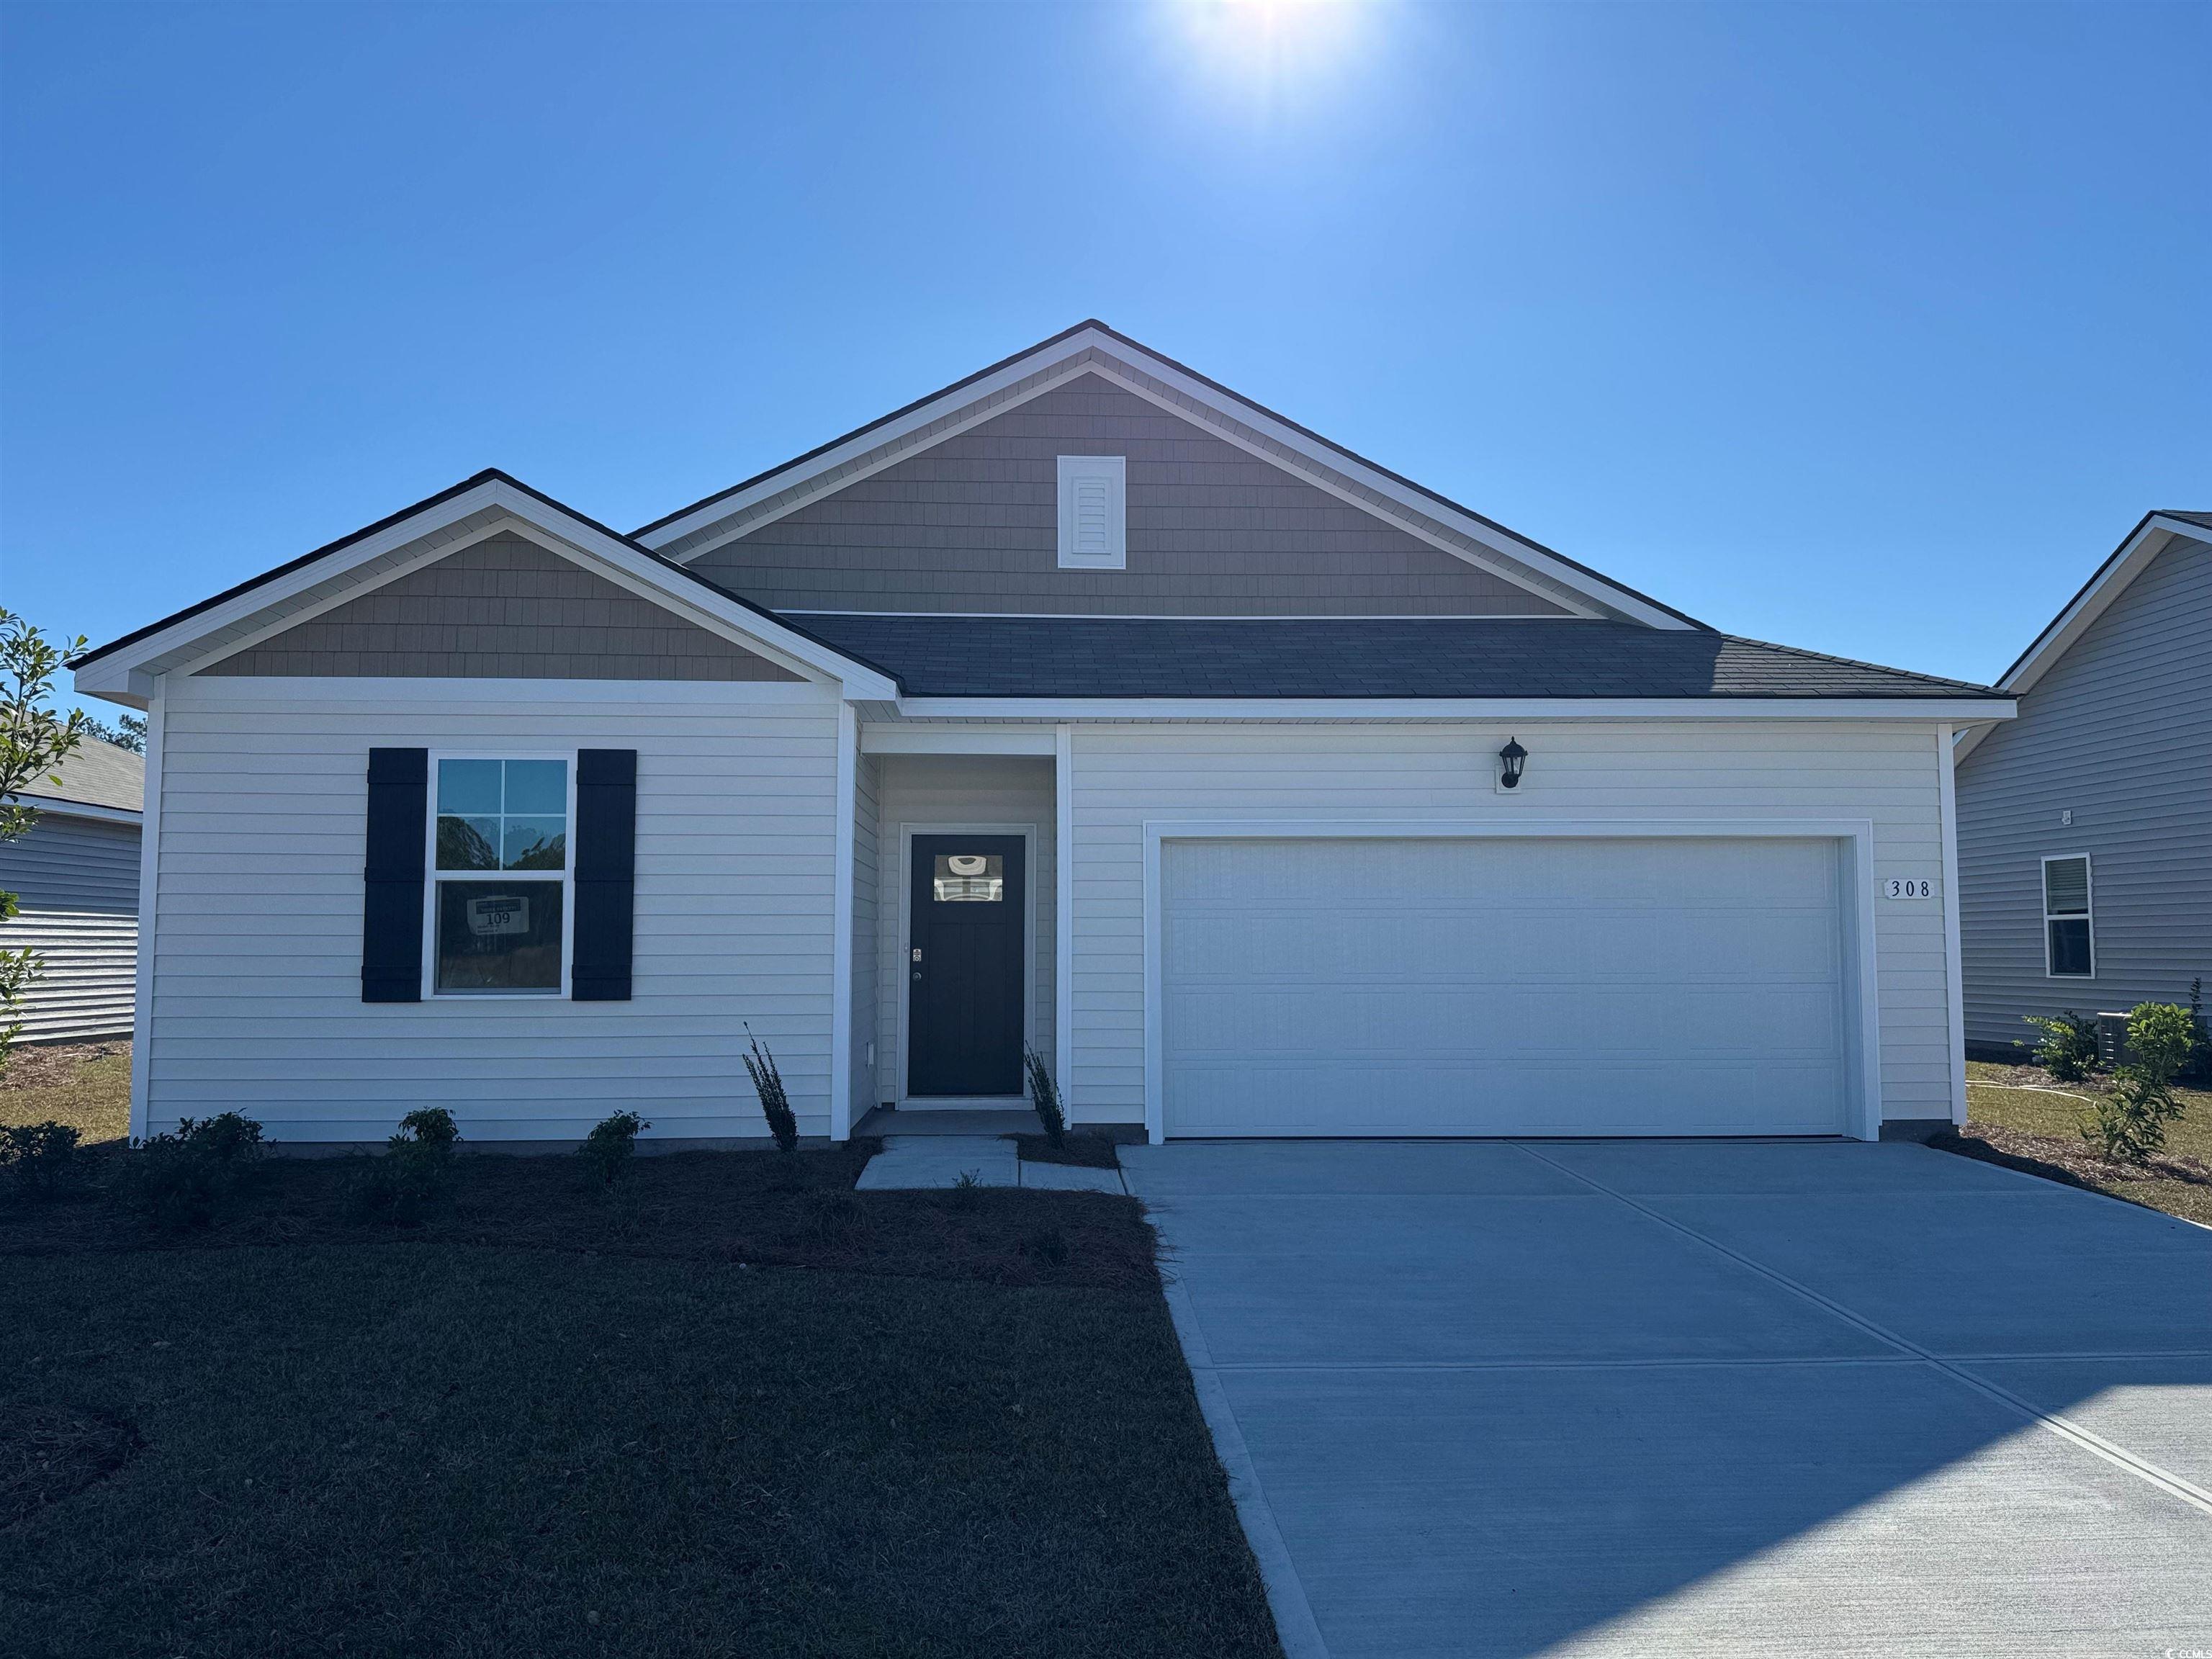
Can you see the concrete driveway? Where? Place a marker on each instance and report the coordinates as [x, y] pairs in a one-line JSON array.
[[1668, 1398]]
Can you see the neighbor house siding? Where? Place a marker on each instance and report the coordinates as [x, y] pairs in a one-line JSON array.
[[970, 523], [77, 881], [256, 983], [2118, 733], [500, 608], [920, 790], [1632, 774]]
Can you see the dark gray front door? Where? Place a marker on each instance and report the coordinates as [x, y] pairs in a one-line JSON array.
[[964, 969]]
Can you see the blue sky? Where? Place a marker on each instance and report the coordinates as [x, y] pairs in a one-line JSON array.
[[1869, 328]]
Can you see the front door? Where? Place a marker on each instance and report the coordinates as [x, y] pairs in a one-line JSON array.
[[965, 968]]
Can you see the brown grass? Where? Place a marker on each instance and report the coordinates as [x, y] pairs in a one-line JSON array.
[[85, 1084]]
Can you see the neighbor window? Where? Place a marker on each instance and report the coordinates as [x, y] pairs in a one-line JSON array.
[[2068, 951], [1093, 513], [500, 867]]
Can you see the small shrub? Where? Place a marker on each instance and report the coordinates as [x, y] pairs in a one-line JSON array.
[[2068, 1049], [186, 1179], [414, 1173], [607, 1150], [829, 1211], [2197, 1072], [1044, 1095], [776, 1105], [2129, 1125], [43, 1157]]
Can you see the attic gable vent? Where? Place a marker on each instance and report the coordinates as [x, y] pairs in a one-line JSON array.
[[1093, 517]]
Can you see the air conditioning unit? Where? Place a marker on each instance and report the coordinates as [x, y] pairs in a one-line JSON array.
[[2112, 1041]]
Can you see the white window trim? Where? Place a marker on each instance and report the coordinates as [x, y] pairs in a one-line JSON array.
[[432, 875], [1115, 470], [2089, 912]]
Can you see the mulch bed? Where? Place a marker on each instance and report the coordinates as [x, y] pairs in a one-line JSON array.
[[1083, 1152], [48, 1065], [754, 1208], [2074, 1162]]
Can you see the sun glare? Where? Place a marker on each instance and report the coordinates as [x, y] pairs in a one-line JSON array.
[[1274, 42]]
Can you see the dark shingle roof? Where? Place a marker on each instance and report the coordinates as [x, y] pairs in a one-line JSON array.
[[2202, 519], [95, 773], [1356, 657]]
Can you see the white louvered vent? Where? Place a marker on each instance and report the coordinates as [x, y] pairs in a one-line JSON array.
[[1093, 527]]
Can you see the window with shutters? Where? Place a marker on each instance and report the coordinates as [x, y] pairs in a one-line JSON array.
[[500, 914], [1093, 513], [2068, 951]]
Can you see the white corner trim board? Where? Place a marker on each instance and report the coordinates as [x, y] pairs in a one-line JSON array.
[[841, 945], [1854, 836], [149, 920]]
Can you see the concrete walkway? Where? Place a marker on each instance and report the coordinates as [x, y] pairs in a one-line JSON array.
[[1696, 1398], [940, 1160]]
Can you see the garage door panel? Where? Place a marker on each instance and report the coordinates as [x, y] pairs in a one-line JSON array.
[[1498, 986]]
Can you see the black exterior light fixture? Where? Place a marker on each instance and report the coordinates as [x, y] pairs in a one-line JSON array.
[[1511, 760]]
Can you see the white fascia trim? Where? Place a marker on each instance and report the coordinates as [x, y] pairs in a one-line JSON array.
[[2130, 561], [1243, 617], [1858, 836], [82, 808], [623, 563], [1597, 588], [1141, 709], [884, 738]]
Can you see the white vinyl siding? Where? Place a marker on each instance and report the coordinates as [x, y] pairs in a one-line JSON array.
[[1628, 773], [257, 955], [77, 879]]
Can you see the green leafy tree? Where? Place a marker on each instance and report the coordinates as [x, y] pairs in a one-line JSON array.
[[34, 742], [2129, 1125], [129, 731]]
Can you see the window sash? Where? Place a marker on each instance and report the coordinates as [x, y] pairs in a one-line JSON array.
[[565, 876], [2070, 933]]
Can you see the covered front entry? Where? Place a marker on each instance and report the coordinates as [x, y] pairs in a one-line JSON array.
[[1505, 986], [966, 963]]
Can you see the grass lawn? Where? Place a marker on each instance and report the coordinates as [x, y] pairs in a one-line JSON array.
[[2013, 1119], [84, 1083], [735, 1409]]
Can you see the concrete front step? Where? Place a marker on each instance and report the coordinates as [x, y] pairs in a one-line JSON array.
[[930, 1161]]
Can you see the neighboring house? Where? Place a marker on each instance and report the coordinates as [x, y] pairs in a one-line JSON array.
[[2085, 825], [1084, 704], [76, 875]]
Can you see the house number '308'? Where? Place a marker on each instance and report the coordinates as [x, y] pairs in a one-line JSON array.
[[1903, 887]]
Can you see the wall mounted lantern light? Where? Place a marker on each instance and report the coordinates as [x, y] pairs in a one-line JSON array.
[[1511, 760]]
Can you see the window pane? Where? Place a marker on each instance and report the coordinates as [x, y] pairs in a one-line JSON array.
[[2066, 887], [537, 787], [469, 786], [468, 843], [536, 844], [2070, 948], [970, 878], [495, 936]]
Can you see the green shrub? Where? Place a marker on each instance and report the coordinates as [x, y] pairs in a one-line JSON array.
[[2198, 1071], [2129, 1125], [43, 1157], [776, 1105], [186, 1179], [414, 1172], [1044, 1095], [606, 1150], [2068, 1049]]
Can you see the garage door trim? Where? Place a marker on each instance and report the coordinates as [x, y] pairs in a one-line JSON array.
[[1855, 833]]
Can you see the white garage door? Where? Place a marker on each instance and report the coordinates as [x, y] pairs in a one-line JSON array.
[[1540, 987]]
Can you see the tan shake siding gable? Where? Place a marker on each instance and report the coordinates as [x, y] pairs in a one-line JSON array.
[[503, 608], [969, 523]]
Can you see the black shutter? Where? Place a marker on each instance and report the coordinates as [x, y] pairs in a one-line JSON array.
[[392, 908], [606, 878]]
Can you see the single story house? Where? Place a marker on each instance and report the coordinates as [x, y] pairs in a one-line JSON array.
[[76, 877], [2085, 825], [1085, 705]]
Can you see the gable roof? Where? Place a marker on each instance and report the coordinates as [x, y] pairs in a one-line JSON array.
[[95, 773], [226, 619], [2110, 579], [1439, 656], [1092, 347]]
